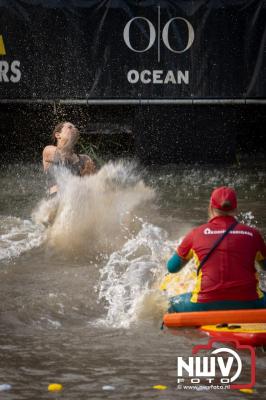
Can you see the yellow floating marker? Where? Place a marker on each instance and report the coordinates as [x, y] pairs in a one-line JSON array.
[[55, 387], [160, 387], [248, 391], [2, 46]]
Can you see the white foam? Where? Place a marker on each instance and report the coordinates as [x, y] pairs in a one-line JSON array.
[[18, 236], [130, 274]]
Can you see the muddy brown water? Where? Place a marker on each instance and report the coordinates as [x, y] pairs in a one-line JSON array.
[[79, 304]]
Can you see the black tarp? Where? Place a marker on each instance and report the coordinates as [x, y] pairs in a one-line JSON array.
[[76, 49]]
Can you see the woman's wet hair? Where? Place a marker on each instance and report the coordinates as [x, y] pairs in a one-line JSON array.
[[57, 128]]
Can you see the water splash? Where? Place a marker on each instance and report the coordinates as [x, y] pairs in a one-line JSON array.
[[93, 213], [19, 236], [130, 281], [130, 275], [248, 219]]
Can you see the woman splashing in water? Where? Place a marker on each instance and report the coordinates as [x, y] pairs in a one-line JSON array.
[[62, 154], [61, 157]]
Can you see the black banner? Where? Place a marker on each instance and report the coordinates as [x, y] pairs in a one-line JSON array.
[[119, 49]]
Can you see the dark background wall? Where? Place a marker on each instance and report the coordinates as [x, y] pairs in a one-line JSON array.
[[76, 52], [154, 134], [78, 49]]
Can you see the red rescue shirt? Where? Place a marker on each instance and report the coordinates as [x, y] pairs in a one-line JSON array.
[[229, 273]]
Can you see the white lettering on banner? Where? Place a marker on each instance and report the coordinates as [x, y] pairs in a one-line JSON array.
[[155, 36], [133, 76], [10, 72], [4, 67], [158, 77], [170, 77], [145, 76], [208, 231], [16, 71]]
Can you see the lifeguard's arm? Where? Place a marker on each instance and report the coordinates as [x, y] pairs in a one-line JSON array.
[[175, 263], [89, 165], [261, 253], [182, 255], [48, 156]]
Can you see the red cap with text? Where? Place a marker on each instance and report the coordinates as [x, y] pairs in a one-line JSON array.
[[224, 198]]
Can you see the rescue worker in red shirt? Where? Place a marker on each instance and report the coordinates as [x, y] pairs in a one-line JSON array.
[[225, 253]]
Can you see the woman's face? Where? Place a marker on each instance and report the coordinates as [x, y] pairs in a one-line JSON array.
[[69, 134]]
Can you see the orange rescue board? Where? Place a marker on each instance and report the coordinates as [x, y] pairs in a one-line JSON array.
[[173, 320]]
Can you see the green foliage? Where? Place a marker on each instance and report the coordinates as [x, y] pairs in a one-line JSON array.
[[105, 147], [92, 150]]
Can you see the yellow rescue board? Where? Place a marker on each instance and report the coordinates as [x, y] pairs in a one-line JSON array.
[[245, 328], [253, 334], [182, 282]]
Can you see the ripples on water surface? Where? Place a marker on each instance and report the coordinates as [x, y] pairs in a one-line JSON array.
[[79, 302]]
